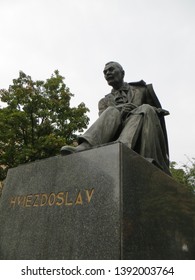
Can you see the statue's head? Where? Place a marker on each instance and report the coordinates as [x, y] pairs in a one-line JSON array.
[[114, 74]]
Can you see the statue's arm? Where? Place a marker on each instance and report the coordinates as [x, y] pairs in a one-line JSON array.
[[102, 106]]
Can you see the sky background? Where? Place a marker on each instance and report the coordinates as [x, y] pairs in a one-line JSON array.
[[153, 40]]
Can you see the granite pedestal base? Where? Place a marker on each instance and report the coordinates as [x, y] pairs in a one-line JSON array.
[[103, 203]]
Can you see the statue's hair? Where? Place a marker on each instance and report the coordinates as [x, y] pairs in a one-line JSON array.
[[117, 64]]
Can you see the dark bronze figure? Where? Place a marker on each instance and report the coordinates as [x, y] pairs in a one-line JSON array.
[[130, 114]]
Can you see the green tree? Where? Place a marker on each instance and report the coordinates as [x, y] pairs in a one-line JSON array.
[[37, 120], [184, 175]]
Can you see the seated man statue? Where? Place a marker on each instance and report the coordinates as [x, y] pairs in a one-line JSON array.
[[130, 114]]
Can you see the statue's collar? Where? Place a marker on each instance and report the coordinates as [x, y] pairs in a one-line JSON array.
[[124, 87]]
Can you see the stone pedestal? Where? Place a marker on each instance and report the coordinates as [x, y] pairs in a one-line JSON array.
[[103, 203]]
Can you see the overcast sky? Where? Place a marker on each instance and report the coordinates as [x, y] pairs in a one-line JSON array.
[[153, 40]]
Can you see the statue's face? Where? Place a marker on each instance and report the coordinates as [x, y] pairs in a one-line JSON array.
[[113, 75]]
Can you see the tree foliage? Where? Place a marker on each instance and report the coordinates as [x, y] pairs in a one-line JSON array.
[[184, 175], [37, 120]]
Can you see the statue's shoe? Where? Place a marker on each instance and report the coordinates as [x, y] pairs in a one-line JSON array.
[[67, 150]]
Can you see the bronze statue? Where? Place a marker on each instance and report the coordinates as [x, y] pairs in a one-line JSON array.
[[130, 114]]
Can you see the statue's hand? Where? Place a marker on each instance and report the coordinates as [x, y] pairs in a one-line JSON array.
[[128, 107], [162, 112]]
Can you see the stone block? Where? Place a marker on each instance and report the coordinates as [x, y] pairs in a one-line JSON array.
[[103, 203]]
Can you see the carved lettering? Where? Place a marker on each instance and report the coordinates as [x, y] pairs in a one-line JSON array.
[[52, 199], [79, 200], [28, 201], [13, 201], [89, 194], [69, 203], [21, 200], [36, 201], [44, 198], [60, 199]]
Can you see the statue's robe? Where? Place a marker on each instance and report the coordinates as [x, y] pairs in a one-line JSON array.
[[142, 129]]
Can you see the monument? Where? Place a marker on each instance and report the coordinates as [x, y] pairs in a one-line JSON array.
[[130, 114], [112, 197]]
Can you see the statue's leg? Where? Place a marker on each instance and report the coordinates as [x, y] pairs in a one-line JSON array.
[[143, 133], [104, 129], [131, 130]]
